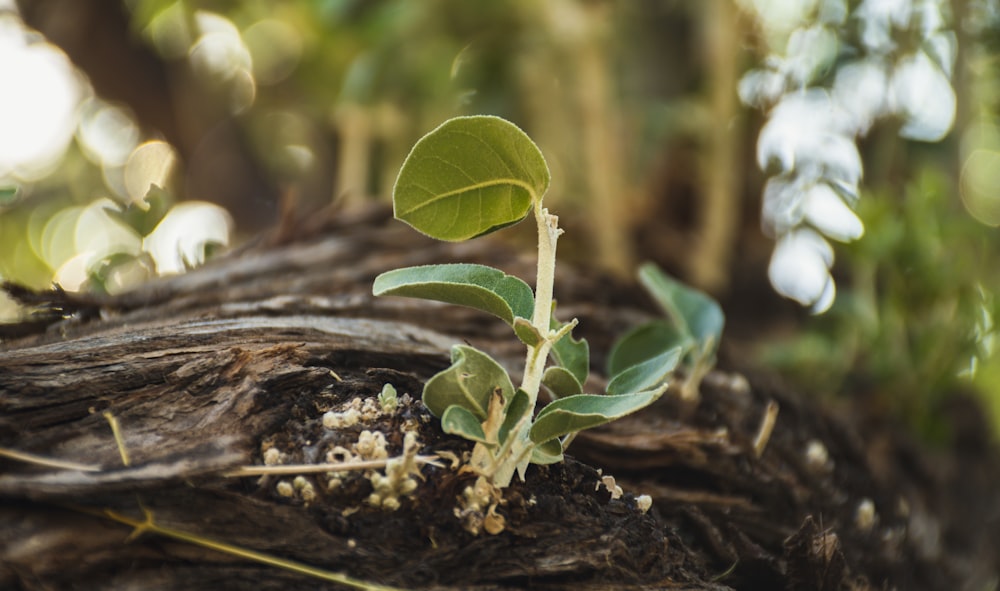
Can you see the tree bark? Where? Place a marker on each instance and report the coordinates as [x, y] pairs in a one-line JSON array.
[[203, 373]]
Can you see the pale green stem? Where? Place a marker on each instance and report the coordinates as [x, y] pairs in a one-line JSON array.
[[517, 449], [548, 235]]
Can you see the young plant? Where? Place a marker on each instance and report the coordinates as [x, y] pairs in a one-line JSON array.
[[693, 323], [469, 177]]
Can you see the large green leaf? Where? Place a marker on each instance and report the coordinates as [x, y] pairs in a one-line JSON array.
[[693, 311], [468, 383], [468, 177], [476, 286], [583, 411], [647, 375], [645, 342]]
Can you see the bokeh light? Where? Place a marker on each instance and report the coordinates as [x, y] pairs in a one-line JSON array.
[[149, 165], [180, 240], [980, 186], [276, 48], [37, 105]]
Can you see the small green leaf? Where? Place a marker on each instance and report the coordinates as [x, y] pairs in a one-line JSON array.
[[476, 286], [527, 332], [583, 411], [646, 375], [468, 383], [550, 452], [457, 420], [561, 382], [573, 354], [515, 410], [469, 177], [693, 311], [644, 342], [388, 399]]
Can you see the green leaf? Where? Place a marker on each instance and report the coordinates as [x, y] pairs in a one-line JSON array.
[[476, 286], [469, 177], [647, 375], [516, 408], [573, 354], [561, 382], [457, 420], [550, 452], [693, 311], [527, 332], [583, 411], [468, 383], [645, 342]]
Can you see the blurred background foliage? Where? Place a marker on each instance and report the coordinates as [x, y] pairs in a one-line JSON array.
[[137, 136]]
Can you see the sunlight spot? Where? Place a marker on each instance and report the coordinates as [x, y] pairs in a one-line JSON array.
[[276, 48], [107, 134], [219, 51], [150, 164], [169, 33], [58, 237], [103, 235], [37, 105], [301, 156], [72, 275], [980, 186], [242, 92], [179, 241]]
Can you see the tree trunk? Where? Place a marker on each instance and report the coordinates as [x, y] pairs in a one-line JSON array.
[[236, 363]]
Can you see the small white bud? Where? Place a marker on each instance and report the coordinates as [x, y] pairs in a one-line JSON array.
[[816, 454], [272, 457], [864, 516]]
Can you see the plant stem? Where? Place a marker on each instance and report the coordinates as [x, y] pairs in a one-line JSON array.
[[548, 235], [515, 454]]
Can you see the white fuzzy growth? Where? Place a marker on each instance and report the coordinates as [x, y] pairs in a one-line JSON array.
[[398, 480]]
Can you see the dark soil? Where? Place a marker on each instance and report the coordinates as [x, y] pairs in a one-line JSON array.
[[208, 371]]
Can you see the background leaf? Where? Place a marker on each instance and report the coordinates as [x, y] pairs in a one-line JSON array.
[[583, 411], [468, 383], [468, 177], [645, 342], [476, 286], [692, 311], [646, 375], [573, 354]]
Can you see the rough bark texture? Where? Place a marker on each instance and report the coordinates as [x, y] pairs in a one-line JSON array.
[[207, 371]]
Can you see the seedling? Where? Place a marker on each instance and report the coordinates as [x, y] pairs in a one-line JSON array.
[[469, 177], [693, 323]]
